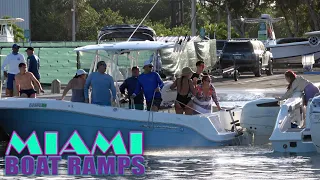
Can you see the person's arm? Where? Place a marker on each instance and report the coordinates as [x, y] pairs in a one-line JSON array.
[[113, 89], [86, 88], [4, 64], [35, 81], [215, 98], [123, 87], [174, 85], [17, 80], [31, 64], [159, 80], [138, 88], [290, 91], [192, 87], [65, 91]]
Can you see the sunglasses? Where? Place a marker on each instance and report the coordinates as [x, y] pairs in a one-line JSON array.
[[102, 65]]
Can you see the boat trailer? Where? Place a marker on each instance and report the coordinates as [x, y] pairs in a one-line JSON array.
[[229, 71]]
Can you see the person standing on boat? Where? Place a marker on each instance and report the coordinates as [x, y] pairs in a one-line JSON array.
[[196, 77], [130, 84], [77, 85], [205, 94], [24, 82], [151, 84], [33, 62], [101, 84], [185, 90], [13, 60]]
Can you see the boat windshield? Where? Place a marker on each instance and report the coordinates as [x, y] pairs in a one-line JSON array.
[[118, 66]]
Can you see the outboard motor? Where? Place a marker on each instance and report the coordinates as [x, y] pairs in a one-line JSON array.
[[258, 118]]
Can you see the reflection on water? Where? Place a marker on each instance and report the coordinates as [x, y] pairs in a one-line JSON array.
[[217, 163]]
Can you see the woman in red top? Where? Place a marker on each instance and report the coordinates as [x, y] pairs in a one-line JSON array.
[[206, 93]]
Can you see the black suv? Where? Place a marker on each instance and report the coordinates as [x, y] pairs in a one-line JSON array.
[[247, 56]]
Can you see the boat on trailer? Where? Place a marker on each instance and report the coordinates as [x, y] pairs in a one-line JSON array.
[[287, 51], [161, 130]]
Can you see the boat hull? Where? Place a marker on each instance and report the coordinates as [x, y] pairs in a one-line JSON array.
[[291, 53], [159, 135]]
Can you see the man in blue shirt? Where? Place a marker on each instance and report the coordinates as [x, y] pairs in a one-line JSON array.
[[151, 84], [130, 84], [33, 63], [101, 84]]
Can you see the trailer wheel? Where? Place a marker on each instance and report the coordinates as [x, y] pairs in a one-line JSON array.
[[258, 71], [270, 68], [236, 75]]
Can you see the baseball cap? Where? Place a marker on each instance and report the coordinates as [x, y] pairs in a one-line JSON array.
[[15, 46], [80, 72], [30, 48], [147, 63]]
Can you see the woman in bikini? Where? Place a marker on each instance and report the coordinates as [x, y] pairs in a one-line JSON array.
[[205, 94], [77, 86], [185, 90]]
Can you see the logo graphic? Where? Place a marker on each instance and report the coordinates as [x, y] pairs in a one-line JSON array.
[[44, 161]]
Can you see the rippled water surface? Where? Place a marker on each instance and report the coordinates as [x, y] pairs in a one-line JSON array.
[[245, 162]]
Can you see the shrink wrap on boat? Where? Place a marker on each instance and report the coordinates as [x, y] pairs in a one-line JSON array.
[[190, 52]]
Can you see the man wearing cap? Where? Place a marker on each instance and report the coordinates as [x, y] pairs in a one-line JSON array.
[[13, 60], [130, 84], [33, 63], [151, 84], [101, 84]]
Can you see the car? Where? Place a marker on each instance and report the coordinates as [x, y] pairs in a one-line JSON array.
[[247, 56]]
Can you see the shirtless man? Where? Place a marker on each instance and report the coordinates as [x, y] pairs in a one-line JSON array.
[[25, 81]]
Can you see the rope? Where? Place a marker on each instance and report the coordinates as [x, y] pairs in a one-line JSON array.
[[143, 20], [189, 107], [151, 108]]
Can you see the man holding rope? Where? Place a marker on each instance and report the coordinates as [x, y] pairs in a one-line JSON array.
[[151, 84]]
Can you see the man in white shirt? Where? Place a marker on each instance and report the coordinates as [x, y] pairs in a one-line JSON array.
[[13, 60]]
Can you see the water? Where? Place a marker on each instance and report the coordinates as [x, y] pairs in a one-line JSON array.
[[251, 162], [224, 163]]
